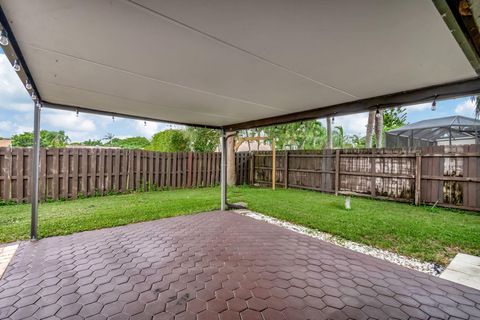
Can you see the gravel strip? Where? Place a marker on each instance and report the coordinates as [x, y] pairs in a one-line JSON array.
[[411, 263]]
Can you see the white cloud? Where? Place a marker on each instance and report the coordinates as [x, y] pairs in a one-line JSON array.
[[22, 129], [5, 125], [352, 124], [466, 108], [12, 92], [68, 121], [147, 128]]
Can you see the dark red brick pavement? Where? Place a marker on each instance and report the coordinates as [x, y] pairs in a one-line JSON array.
[[217, 266]]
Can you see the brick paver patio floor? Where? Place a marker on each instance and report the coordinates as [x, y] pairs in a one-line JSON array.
[[216, 265]]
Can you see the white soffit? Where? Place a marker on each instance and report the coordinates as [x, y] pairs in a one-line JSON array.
[[219, 62]]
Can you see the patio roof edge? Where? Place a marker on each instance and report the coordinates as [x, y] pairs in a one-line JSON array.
[[421, 95], [56, 106]]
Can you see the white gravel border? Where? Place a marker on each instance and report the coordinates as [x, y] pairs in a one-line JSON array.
[[411, 263]]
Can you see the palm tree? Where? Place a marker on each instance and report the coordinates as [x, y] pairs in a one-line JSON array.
[[108, 138], [329, 133], [379, 129], [476, 101], [340, 138], [370, 124]]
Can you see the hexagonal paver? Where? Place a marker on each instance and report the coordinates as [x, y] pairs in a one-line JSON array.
[[216, 266], [217, 305]]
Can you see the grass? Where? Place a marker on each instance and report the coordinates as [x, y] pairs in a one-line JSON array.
[[66, 217], [435, 235], [420, 232]]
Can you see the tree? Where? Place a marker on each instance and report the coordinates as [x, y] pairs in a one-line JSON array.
[[340, 139], [369, 133], [304, 135], [48, 139], [476, 101], [394, 118], [108, 139], [231, 172], [379, 129], [171, 140], [130, 143], [357, 141], [329, 133], [92, 143], [203, 139]]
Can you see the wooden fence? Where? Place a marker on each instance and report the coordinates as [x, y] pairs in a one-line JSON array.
[[447, 176], [74, 172]]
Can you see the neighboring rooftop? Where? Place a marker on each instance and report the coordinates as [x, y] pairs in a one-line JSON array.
[[5, 142], [439, 131]]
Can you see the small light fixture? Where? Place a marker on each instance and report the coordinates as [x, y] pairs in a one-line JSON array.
[[434, 104], [77, 113], [28, 85], [34, 97], [377, 115], [16, 65], [4, 38], [113, 118], [144, 123]]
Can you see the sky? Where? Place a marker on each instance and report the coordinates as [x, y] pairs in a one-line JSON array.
[[16, 115]]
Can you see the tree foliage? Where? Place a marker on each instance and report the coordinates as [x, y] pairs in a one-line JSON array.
[[171, 140], [202, 139], [56, 139], [303, 135], [130, 143], [394, 118]]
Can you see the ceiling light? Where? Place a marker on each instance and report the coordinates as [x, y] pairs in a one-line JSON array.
[[434, 104], [3, 38], [28, 85], [16, 65], [377, 115]]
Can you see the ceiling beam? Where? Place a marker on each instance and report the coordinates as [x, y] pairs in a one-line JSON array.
[[404, 98]]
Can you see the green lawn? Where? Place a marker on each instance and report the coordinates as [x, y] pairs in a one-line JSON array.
[[66, 217], [430, 235]]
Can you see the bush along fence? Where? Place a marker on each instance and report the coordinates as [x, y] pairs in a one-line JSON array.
[[440, 175], [69, 173]]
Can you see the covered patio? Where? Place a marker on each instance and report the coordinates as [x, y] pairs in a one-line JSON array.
[[217, 265], [228, 65]]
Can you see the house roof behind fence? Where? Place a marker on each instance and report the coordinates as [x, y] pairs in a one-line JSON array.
[[433, 129]]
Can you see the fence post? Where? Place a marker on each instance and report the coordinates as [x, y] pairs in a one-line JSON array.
[[418, 177], [337, 171], [285, 173], [372, 174], [274, 165], [252, 168], [190, 165]]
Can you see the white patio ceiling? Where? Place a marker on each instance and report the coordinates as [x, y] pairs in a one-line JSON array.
[[221, 62]]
